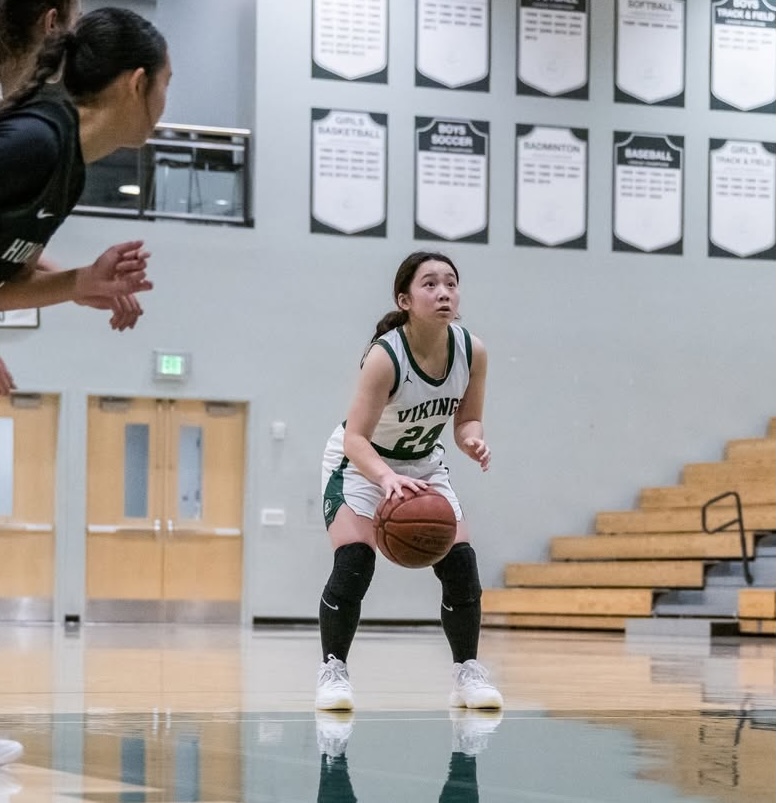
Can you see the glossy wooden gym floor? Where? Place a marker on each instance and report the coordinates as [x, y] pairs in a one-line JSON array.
[[175, 713]]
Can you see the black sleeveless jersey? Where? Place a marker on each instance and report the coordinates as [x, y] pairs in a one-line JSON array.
[[26, 227]]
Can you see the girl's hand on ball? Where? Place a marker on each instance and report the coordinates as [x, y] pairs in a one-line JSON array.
[[393, 484]]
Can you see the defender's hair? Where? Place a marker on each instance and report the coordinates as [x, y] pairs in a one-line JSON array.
[[104, 44]]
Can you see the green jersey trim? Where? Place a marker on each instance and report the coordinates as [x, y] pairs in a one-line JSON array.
[[403, 454], [395, 361], [467, 339], [417, 369]]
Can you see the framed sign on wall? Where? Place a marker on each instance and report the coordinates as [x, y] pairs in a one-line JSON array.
[[20, 319]]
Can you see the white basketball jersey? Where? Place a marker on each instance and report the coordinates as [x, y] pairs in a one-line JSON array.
[[419, 405]]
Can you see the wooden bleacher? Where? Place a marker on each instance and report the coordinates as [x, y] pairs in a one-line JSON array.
[[600, 581], [757, 611]]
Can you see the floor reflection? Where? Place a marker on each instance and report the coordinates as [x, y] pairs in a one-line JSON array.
[[449, 756]]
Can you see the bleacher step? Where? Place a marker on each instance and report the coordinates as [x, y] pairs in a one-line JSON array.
[[717, 473], [606, 574], [751, 450], [646, 546], [756, 517], [669, 628], [691, 496], [708, 602], [568, 601], [553, 621]]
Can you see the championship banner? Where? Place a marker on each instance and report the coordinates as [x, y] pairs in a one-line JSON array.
[[742, 199], [553, 44], [453, 44], [350, 40], [348, 177], [648, 193], [451, 179], [551, 187], [650, 52], [743, 55]]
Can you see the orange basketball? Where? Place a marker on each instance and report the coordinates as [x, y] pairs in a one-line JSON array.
[[415, 531]]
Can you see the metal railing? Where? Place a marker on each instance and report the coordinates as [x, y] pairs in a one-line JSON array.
[[737, 521], [183, 172]]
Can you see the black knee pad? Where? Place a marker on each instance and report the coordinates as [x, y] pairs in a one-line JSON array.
[[458, 574], [354, 566]]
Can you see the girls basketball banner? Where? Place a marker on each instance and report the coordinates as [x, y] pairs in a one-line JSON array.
[[451, 179], [743, 55], [648, 193], [553, 41], [350, 40], [742, 199], [650, 52], [551, 187], [348, 173], [453, 44]]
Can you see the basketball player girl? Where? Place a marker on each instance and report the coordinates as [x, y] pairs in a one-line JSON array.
[[23, 26], [115, 71], [421, 370]]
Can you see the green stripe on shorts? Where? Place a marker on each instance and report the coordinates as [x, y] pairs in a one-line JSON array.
[[334, 495]]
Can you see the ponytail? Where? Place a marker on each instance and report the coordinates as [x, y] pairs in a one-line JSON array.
[[105, 43], [48, 65], [391, 320]]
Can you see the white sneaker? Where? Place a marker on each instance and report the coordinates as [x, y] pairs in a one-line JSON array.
[[471, 729], [10, 751], [471, 688], [333, 729], [334, 692]]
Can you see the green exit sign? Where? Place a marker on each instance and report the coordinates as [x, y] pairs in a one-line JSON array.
[[171, 365]]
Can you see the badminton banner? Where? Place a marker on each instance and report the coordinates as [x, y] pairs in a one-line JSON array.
[[551, 187], [451, 179], [650, 52], [350, 40], [453, 44], [742, 199], [743, 55], [648, 191], [348, 174], [553, 44]]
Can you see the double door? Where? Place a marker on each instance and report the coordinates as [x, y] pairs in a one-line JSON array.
[[164, 510], [28, 444]]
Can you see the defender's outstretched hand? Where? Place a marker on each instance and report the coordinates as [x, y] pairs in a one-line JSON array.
[[126, 310], [120, 271]]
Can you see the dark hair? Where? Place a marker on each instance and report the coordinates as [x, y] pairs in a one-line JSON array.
[[18, 19], [401, 286], [104, 44]]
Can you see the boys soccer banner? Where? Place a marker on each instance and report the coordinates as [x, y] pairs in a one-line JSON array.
[[451, 179]]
